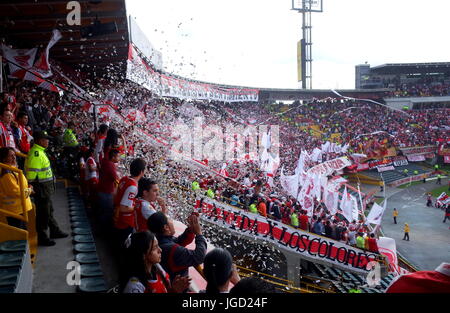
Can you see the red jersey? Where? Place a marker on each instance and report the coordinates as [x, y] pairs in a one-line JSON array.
[[126, 196], [143, 210], [152, 286]]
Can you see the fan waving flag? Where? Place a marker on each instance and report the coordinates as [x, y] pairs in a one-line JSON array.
[[443, 199]]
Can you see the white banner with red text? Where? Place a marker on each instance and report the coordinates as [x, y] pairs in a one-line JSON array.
[[307, 245], [140, 72]]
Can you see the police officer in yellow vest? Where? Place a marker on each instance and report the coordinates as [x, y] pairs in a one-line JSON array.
[[71, 147], [40, 175]]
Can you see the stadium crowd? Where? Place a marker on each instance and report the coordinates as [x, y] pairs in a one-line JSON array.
[[117, 186]]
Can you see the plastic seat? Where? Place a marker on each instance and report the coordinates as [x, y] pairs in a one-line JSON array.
[[82, 219], [84, 247], [11, 259], [83, 239], [91, 270], [9, 276], [13, 246], [80, 225], [93, 284], [81, 231], [87, 258], [77, 213]]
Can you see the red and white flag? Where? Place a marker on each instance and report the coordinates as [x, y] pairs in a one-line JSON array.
[[387, 247], [42, 66], [443, 199], [21, 57]]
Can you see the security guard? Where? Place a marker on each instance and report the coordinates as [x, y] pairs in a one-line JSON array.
[[71, 148], [195, 186], [39, 174]]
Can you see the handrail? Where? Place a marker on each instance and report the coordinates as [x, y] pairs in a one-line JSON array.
[[20, 154], [23, 218]]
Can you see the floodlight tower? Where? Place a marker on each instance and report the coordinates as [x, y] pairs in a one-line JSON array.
[[304, 46]]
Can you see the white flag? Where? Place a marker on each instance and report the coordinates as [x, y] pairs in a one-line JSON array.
[[316, 155], [289, 184], [349, 206], [376, 213]]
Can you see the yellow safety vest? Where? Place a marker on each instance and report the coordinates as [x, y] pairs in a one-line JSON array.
[[37, 165], [69, 138]]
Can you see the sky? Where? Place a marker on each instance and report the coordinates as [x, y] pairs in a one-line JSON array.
[[254, 43]]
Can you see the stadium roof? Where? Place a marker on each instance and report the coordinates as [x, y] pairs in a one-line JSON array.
[[29, 24], [412, 68]]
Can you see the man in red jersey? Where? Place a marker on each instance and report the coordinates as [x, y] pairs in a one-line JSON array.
[[124, 201], [148, 194]]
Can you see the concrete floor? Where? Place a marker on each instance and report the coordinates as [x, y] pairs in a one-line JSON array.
[[50, 271], [429, 243]]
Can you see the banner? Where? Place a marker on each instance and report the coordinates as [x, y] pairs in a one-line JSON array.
[[385, 168], [420, 150], [307, 245], [416, 157], [142, 74], [327, 168], [382, 162], [400, 161]]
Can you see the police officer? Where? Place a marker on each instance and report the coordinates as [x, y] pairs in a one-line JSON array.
[[71, 147], [39, 174]]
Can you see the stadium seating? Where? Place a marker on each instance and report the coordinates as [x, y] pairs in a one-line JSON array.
[[92, 279]]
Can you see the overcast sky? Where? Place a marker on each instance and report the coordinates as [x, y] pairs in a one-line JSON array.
[[254, 43]]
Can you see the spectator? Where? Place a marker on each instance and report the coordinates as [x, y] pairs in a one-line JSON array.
[[219, 271], [328, 229], [148, 193], [446, 213], [99, 142], [360, 242], [262, 209], [304, 221], [108, 181], [111, 141], [22, 133], [318, 227], [437, 281], [252, 285], [6, 131], [294, 219], [91, 175], [124, 201], [352, 237], [10, 192], [176, 259], [373, 246], [141, 272]]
